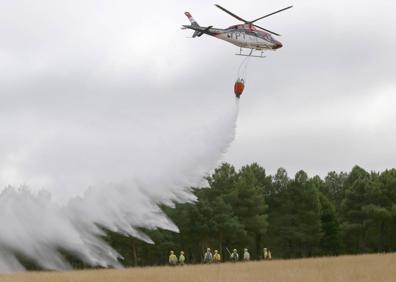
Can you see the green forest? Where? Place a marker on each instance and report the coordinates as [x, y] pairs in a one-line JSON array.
[[295, 217]]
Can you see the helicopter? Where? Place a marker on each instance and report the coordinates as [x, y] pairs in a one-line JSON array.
[[247, 35]]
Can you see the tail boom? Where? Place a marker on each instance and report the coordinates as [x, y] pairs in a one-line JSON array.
[[199, 30]]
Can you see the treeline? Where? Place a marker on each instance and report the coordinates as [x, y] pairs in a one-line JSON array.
[[300, 216]]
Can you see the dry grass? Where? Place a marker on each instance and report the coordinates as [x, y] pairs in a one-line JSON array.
[[346, 268]]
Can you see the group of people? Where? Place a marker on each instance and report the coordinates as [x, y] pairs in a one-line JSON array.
[[215, 257], [174, 260], [267, 254], [234, 256], [209, 258]]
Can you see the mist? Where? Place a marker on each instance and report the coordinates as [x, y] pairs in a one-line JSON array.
[[97, 130], [69, 174], [107, 110]]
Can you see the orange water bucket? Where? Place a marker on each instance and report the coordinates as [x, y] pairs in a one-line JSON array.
[[239, 86]]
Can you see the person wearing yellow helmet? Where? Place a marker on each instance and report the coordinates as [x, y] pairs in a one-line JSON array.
[[216, 257], [172, 258], [182, 258]]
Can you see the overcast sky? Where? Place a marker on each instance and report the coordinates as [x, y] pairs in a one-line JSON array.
[[112, 96], [325, 101]]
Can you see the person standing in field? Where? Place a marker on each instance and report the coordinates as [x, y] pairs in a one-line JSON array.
[[269, 255], [265, 254], [234, 256], [182, 258], [208, 257], [246, 255], [216, 257], [172, 258]]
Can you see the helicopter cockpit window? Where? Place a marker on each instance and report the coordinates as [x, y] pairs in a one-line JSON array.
[[264, 36]]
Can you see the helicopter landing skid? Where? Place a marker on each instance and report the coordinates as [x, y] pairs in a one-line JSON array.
[[250, 54], [254, 56]]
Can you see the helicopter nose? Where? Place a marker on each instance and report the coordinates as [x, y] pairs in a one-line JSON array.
[[277, 45]]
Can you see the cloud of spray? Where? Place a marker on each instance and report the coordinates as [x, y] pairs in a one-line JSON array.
[[98, 127], [66, 177]]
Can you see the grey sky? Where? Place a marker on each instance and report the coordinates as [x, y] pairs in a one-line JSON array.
[[110, 95], [323, 102], [326, 100], [97, 127]]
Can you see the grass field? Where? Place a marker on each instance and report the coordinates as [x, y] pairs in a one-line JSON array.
[[346, 268]]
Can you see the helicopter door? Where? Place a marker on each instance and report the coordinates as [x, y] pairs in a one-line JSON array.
[[251, 40]]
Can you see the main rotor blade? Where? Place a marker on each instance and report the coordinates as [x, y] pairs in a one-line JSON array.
[[274, 33], [231, 14], [281, 10]]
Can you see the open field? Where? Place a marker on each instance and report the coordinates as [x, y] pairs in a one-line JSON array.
[[346, 268]]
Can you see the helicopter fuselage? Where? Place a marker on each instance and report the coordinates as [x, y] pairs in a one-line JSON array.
[[243, 36]]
